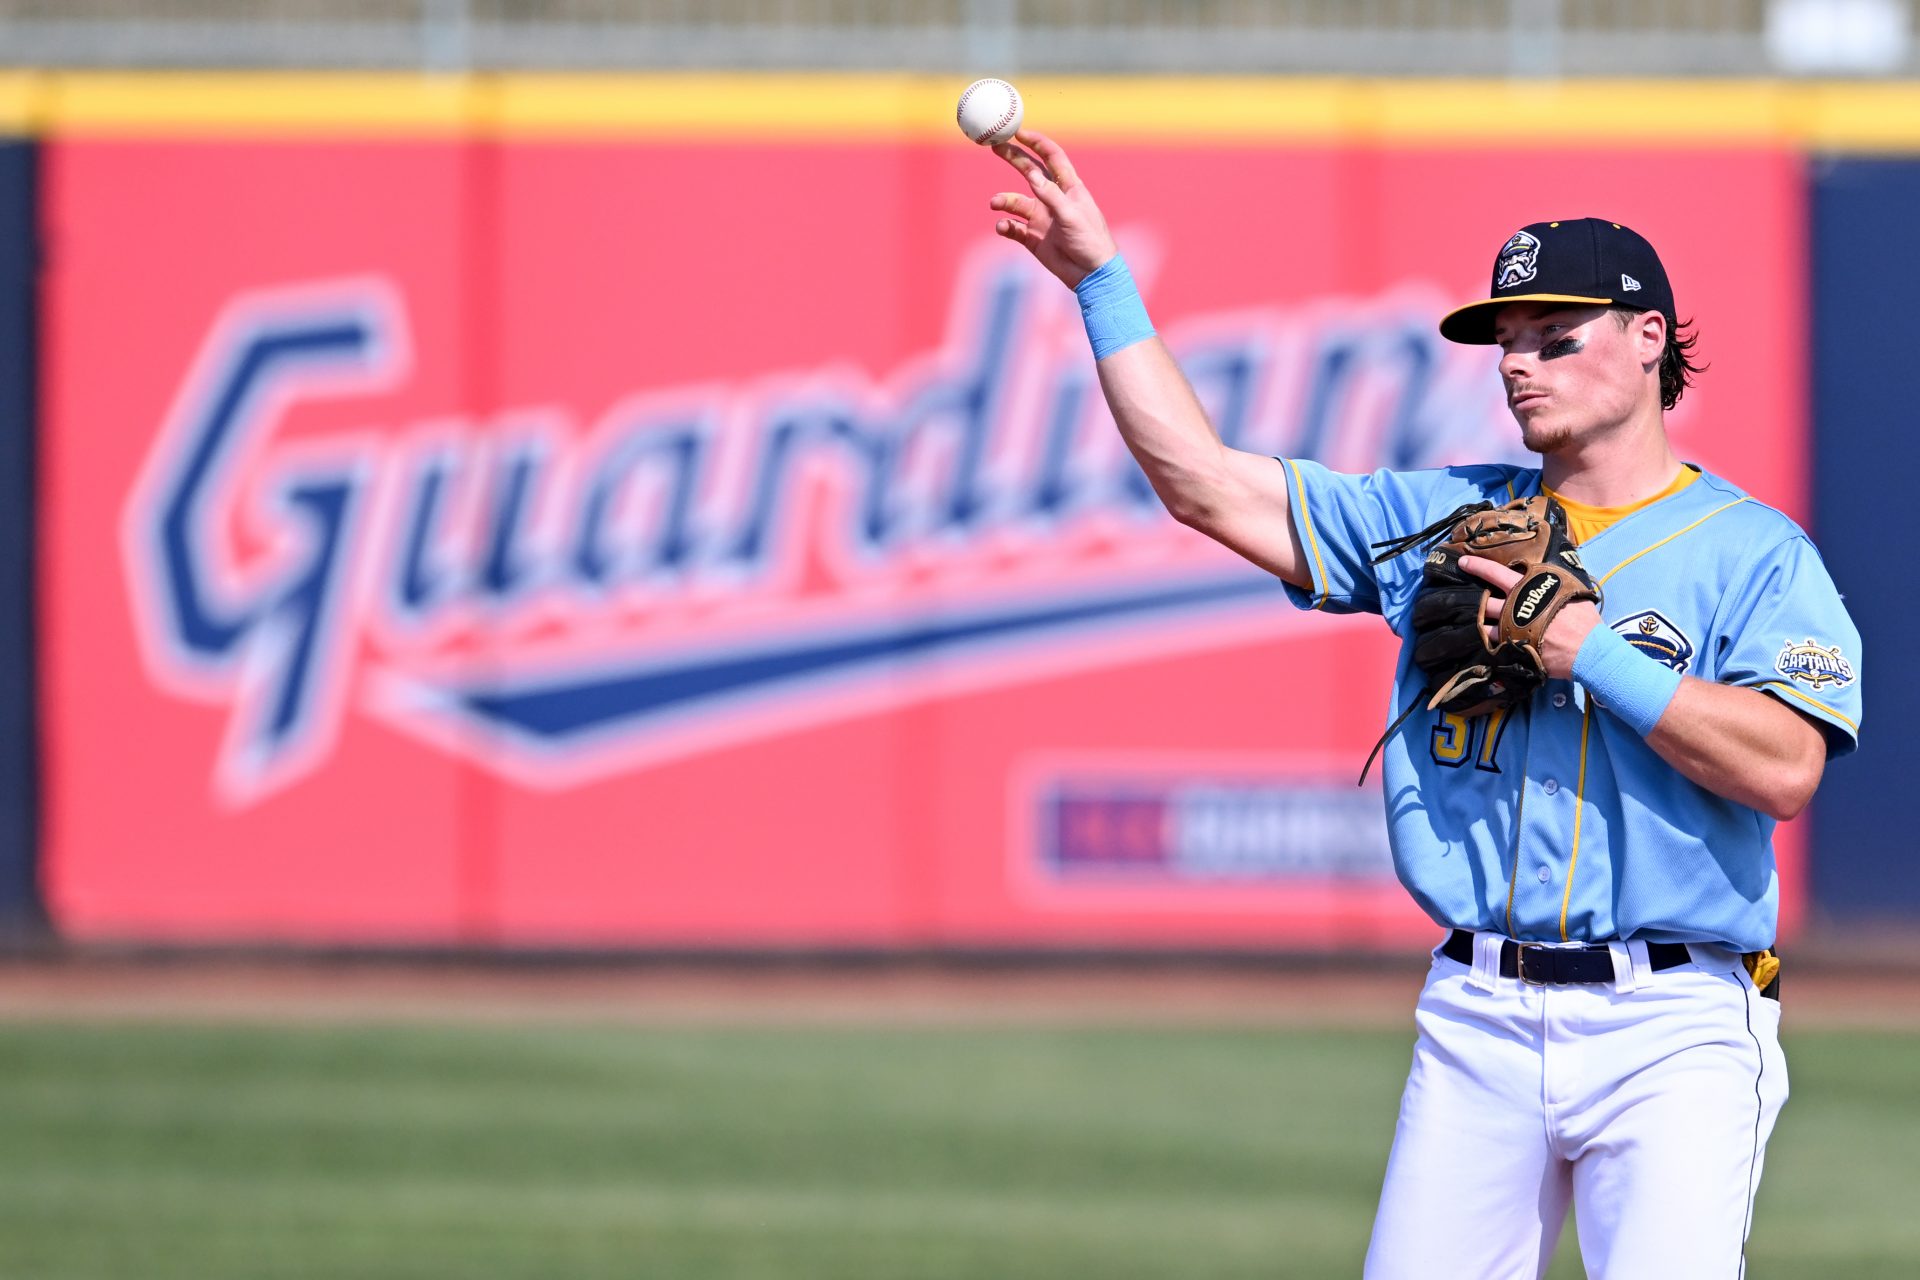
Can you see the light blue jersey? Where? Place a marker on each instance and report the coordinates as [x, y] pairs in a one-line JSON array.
[[1556, 821]]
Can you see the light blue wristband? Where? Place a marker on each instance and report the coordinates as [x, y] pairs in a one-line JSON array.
[[1110, 304], [1626, 681]]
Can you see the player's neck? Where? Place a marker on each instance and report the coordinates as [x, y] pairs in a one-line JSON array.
[[1614, 468]]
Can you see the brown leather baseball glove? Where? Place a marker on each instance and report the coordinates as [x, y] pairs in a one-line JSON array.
[[1469, 674]]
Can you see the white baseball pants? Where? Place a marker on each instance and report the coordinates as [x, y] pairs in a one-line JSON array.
[[1646, 1104]]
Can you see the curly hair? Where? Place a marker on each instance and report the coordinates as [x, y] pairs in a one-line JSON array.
[[1677, 367]]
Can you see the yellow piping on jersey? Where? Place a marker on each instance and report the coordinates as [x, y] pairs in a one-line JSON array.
[[1313, 541], [1519, 810], [1812, 702], [1579, 812], [1670, 537], [1513, 881]]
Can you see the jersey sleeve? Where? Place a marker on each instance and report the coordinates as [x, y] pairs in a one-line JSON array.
[[1787, 632], [1340, 516]]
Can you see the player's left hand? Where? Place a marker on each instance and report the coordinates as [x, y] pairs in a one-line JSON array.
[[1565, 633]]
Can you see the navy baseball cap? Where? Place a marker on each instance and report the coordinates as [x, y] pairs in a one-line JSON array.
[[1586, 260]]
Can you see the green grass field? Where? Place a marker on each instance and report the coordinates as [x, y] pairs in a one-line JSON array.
[[842, 1153]]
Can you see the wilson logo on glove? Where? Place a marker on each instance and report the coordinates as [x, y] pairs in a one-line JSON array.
[[1541, 593]]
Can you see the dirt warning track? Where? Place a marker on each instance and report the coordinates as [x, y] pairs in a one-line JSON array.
[[1375, 994]]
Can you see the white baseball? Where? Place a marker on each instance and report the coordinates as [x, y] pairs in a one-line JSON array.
[[990, 111]]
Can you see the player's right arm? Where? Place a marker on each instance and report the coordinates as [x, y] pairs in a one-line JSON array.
[[1239, 499]]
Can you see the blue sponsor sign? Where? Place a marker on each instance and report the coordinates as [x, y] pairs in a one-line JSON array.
[[1203, 829]]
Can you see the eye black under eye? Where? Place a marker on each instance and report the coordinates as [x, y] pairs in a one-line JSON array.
[[1562, 347]]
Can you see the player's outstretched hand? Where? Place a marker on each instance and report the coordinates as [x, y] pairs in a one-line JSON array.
[[1058, 221], [1565, 633]]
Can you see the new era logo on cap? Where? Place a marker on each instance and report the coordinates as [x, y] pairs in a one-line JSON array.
[[1575, 260]]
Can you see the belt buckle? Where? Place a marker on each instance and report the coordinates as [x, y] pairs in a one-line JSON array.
[[1520, 963]]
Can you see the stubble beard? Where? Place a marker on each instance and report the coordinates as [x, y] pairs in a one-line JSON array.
[[1544, 438]]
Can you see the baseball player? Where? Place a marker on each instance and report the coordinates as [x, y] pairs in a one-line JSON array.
[[1599, 1025]]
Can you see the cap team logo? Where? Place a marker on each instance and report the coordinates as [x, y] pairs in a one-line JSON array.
[[1652, 634], [1814, 665], [1519, 261]]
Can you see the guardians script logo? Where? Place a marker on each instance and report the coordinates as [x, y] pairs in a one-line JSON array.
[[563, 592]]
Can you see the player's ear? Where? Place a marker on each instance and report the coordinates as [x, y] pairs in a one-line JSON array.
[[1648, 333]]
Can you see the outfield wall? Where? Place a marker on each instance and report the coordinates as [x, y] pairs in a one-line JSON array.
[[636, 513]]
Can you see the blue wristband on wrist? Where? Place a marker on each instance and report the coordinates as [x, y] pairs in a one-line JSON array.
[[1629, 683], [1110, 304]]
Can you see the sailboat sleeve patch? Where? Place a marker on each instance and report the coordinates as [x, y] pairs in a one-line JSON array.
[[1655, 635]]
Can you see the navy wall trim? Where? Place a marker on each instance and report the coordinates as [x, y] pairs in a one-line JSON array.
[[1865, 266], [21, 913]]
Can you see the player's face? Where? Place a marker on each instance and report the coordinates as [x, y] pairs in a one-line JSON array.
[[1570, 371]]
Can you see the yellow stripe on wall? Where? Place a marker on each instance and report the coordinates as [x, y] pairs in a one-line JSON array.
[[171, 104], [20, 102], [1820, 116], [1583, 110], [778, 105]]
